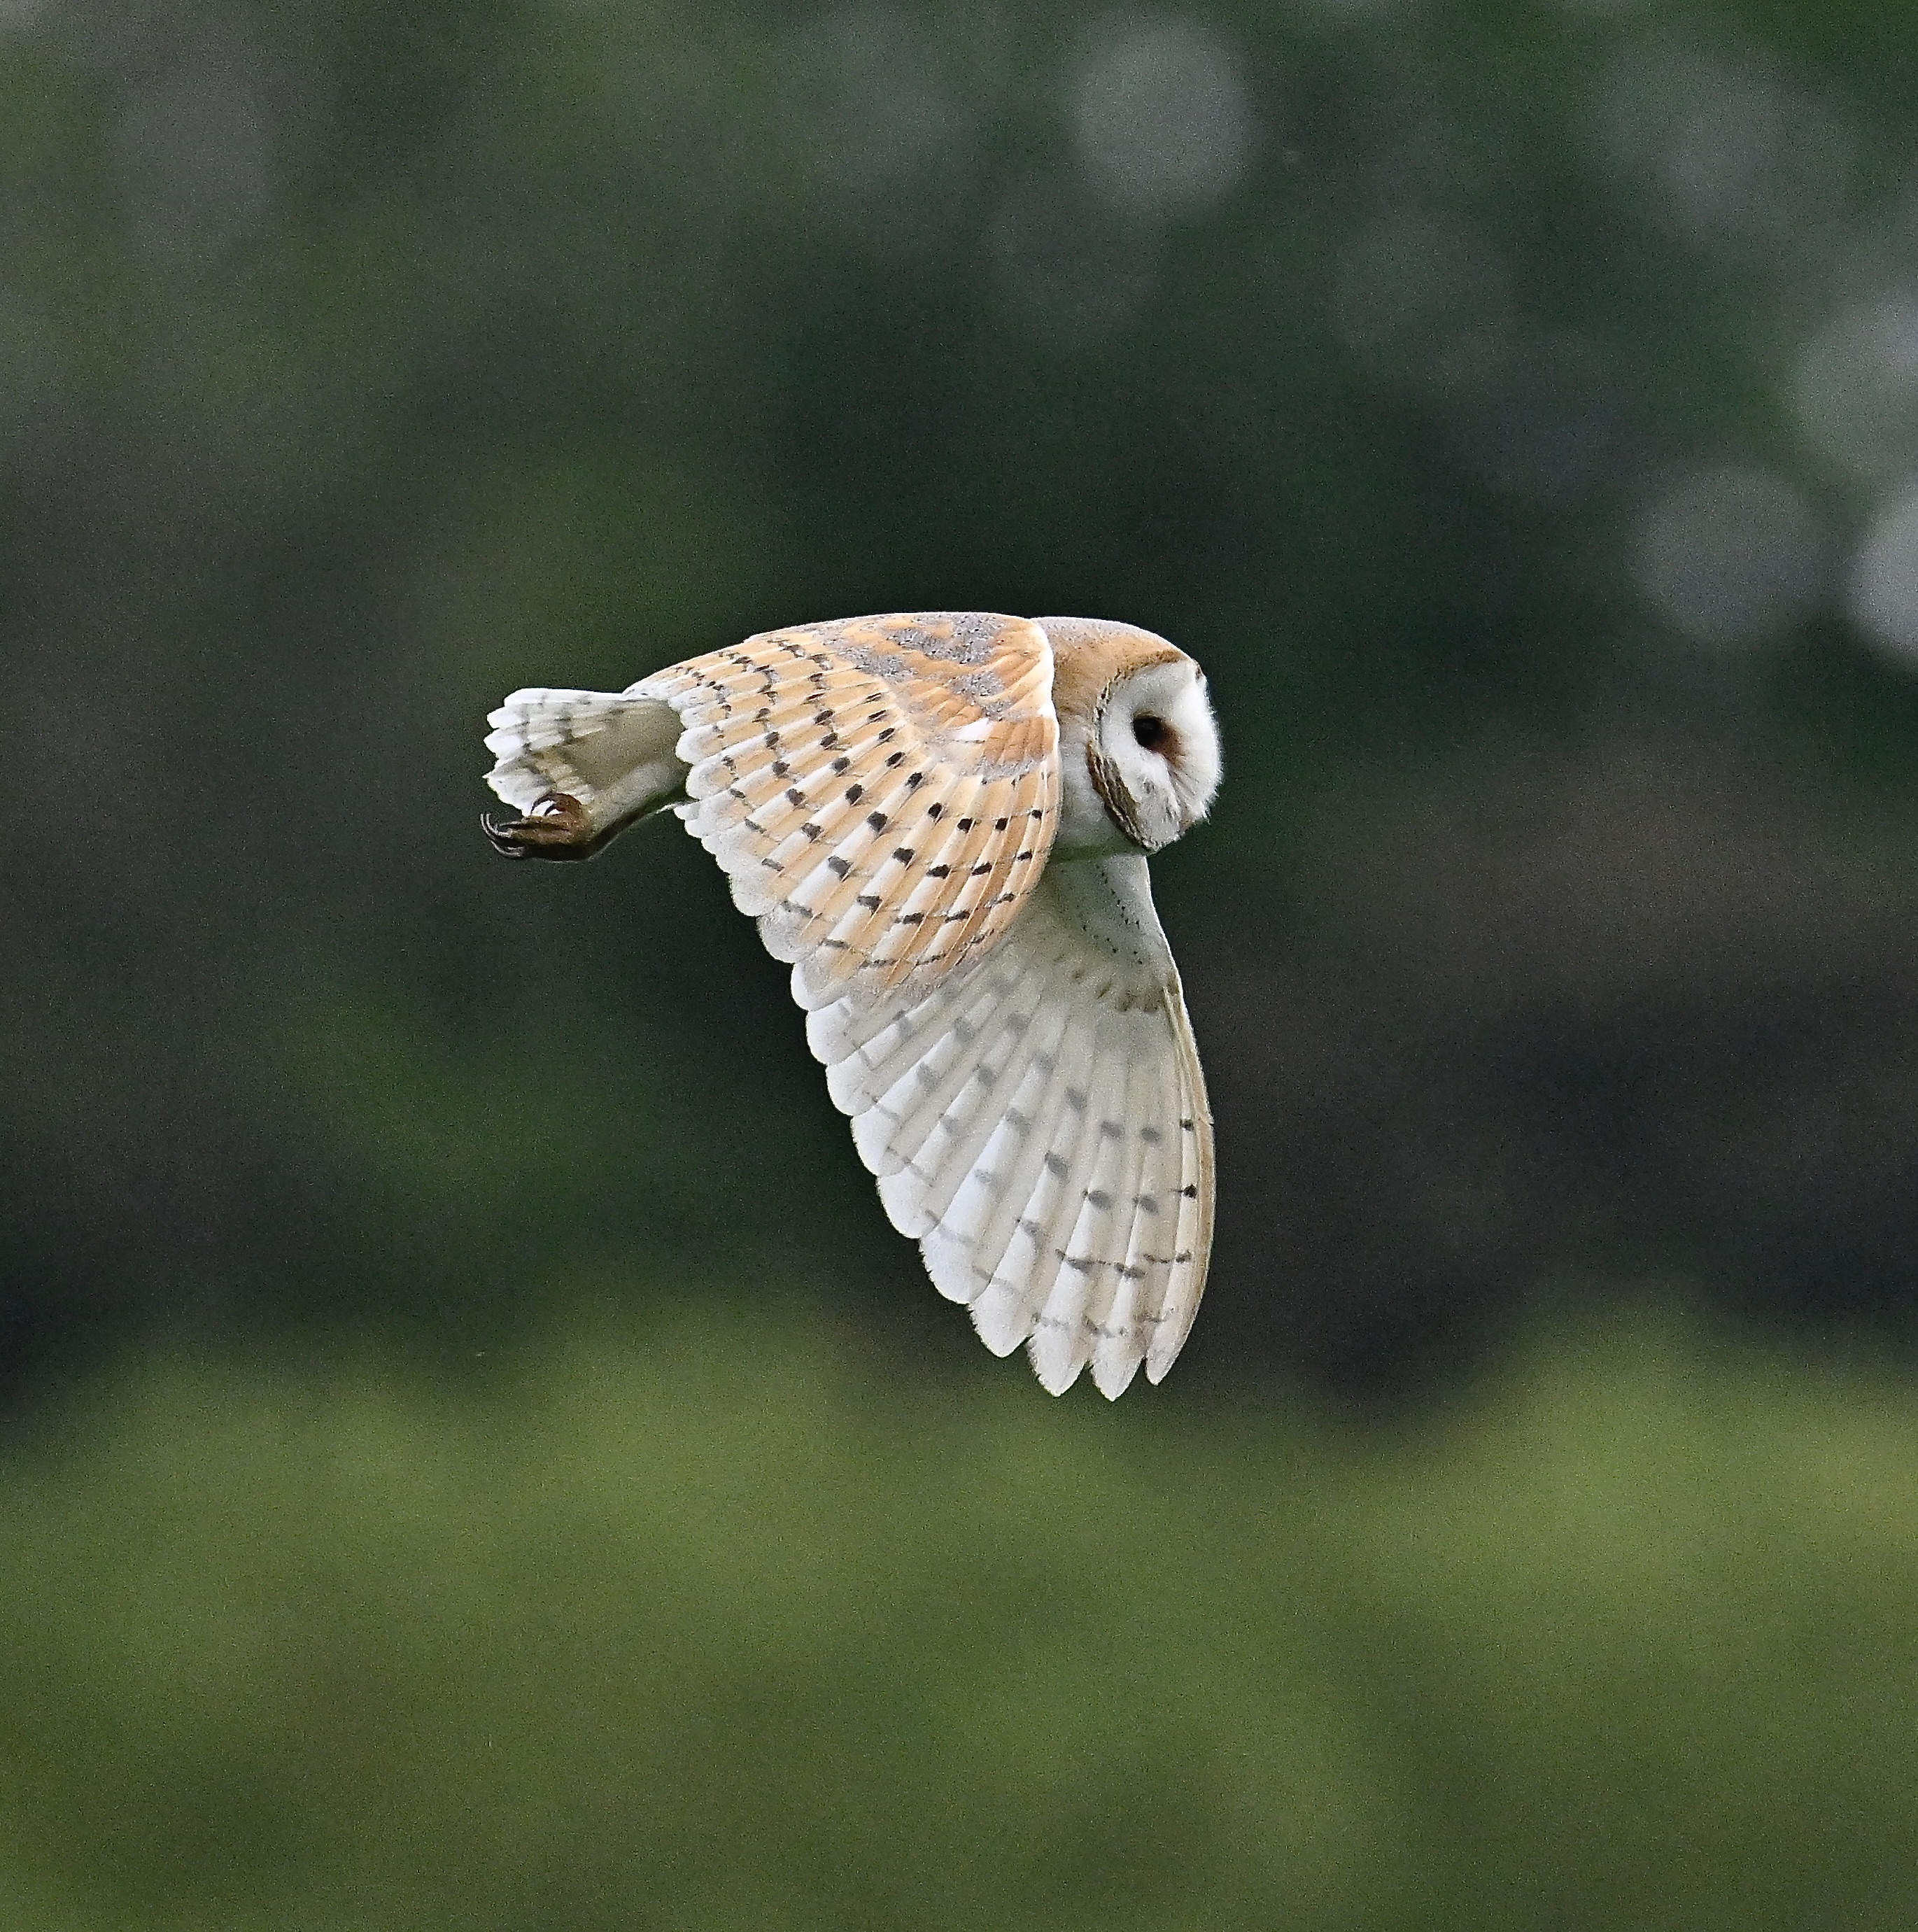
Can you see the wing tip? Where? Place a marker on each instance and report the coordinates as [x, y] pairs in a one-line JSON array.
[[1113, 1371], [1001, 1319], [1058, 1360], [1162, 1353]]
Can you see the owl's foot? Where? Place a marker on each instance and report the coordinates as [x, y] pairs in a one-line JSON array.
[[558, 828]]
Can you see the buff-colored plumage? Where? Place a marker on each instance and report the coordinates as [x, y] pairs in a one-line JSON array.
[[940, 820]]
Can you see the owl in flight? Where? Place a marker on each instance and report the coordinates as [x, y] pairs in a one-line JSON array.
[[941, 820]]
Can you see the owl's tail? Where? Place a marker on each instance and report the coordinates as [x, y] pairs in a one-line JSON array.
[[580, 766]]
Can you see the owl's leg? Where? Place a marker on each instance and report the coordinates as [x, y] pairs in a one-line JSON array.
[[558, 827]]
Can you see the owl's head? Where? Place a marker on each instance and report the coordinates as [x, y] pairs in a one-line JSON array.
[[1139, 744]]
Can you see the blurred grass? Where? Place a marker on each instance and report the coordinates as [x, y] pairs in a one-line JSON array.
[[722, 1626]]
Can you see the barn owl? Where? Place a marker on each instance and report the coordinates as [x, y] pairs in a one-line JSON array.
[[942, 821]]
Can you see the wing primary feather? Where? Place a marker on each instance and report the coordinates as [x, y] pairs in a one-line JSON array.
[[995, 1102], [780, 795], [897, 1128], [1004, 1306], [859, 925], [821, 882], [1060, 1338], [1173, 1313], [808, 766], [1030, 1266], [866, 1044], [983, 1198], [941, 1139], [998, 1163], [1120, 1339], [1040, 1104], [1108, 1307]]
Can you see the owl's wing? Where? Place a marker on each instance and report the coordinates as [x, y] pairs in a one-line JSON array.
[[1038, 1124], [880, 791]]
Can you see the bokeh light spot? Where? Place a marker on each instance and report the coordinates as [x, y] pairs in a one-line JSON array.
[[1881, 591], [1730, 556], [196, 154], [1727, 148], [1161, 122], [1855, 387]]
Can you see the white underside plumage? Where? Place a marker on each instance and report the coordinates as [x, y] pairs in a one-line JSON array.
[[1038, 1124]]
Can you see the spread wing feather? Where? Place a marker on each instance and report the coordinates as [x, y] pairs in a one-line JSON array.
[[1038, 1123], [881, 791]]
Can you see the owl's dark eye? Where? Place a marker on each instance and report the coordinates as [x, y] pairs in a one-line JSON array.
[[1154, 734]]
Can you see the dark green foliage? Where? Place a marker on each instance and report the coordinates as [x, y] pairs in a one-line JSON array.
[[729, 1627]]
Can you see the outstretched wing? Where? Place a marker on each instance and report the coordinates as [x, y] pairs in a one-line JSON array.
[[1038, 1123], [881, 791]]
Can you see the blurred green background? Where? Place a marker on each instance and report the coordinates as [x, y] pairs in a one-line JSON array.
[[477, 1457]]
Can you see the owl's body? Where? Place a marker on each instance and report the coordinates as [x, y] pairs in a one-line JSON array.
[[942, 821]]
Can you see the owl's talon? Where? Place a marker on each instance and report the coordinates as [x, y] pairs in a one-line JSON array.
[[501, 833], [556, 828]]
